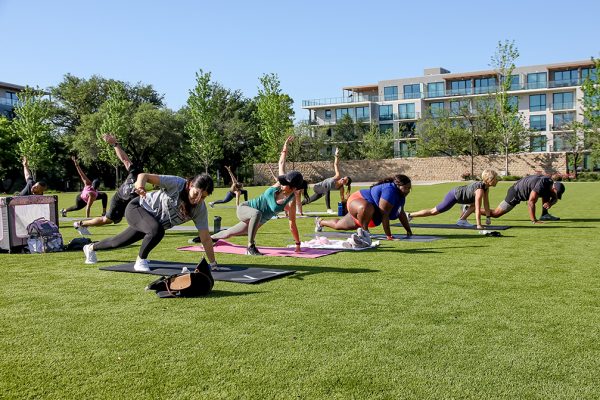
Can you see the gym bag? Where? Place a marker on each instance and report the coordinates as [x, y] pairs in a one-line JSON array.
[[186, 284], [44, 237]]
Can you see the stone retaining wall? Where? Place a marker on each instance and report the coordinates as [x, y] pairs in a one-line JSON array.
[[421, 169]]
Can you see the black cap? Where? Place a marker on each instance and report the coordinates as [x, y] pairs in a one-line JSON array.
[[293, 179], [560, 189]]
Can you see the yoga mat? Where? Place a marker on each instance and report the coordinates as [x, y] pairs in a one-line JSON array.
[[454, 226], [346, 234], [223, 246], [228, 273], [190, 228], [336, 245]]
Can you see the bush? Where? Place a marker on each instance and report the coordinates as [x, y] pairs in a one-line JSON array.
[[510, 178], [588, 176]]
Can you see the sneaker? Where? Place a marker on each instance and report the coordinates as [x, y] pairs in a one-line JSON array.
[[211, 204], [82, 230], [318, 227], [549, 217], [63, 212], [357, 241], [141, 265], [464, 223], [90, 254], [253, 251], [365, 235], [330, 211], [408, 216]]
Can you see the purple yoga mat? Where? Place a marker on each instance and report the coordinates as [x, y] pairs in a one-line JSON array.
[[223, 246]]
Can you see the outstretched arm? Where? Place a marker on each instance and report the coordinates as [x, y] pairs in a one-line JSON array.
[[284, 155], [86, 181], [231, 175], [533, 198], [336, 166], [273, 175], [110, 139], [480, 194], [88, 207], [26, 170]]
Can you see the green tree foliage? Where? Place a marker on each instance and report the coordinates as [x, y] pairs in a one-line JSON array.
[[310, 143], [205, 141], [274, 113], [591, 112], [115, 116], [33, 127], [441, 134], [9, 159], [346, 139], [376, 145], [508, 125]]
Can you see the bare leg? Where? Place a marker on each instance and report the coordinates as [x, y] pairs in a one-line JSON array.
[[425, 213], [98, 221], [343, 224]]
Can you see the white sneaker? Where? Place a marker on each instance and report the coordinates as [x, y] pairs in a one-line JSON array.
[[318, 227], [408, 216], [211, 204], [90, 254], [464, 223], [330, 211], [82, 230], [365, 235], [141, 265]]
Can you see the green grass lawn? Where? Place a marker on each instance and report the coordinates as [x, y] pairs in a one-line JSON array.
[[464, 317]]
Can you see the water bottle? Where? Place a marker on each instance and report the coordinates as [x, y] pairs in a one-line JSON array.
[[216, 224], [340, 209]]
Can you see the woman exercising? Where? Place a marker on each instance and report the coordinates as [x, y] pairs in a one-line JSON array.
[[88, 195], [470, 195], [375, 206], [256, 212], [236, 190]]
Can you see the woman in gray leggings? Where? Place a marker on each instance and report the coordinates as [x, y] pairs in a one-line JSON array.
[[254, 213]]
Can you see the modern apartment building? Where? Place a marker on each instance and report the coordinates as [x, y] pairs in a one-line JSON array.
[[8, 98], [548, 97]]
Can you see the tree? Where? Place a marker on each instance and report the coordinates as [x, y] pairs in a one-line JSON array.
[[33, 127], [591, 111], [8, 155], [345, 138], [376, 145], [507, 120], [441, 134], [274, 113], [204, 139]]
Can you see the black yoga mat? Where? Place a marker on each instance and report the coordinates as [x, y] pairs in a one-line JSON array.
[[229, 273], [454, 226]]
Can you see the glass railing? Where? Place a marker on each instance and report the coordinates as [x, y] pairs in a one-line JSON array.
[[536, 127], [569, 105], [407, 115], [413, 95], [386, 117], [390, 97], [338, 100], [459, 92], [435, 93], [564, 82], [536, 85]]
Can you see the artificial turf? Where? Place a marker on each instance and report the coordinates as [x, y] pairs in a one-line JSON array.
[[465, 317]]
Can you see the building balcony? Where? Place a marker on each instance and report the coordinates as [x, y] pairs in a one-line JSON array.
[[561, 127], [339, 100], [570, 105]]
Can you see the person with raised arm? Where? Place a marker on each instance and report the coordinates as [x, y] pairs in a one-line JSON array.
[[236, 190], [256, 212], [88, 195], [31, 187]]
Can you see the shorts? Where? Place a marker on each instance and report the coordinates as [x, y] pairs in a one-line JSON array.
[[354, 196], [116, 211], [511, 197]]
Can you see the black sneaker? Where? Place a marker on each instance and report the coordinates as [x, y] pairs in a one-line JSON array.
[[253, 251]]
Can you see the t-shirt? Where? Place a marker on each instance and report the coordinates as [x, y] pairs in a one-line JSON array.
[[85, 193], [165, 204], [390, 193], [267, 205], [324, 186], [540, 184], [126, 190], [27, 189], [466, 194]]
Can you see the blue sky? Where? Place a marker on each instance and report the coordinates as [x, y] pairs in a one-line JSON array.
[[316, 47]]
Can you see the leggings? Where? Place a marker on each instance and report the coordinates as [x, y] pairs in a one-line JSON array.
[[317, 196], [230, 196], [249, 223], [80, 203], [448, 202], [142, 226]]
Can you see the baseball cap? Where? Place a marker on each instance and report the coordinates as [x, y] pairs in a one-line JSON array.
[[560, 189], [293, 179]]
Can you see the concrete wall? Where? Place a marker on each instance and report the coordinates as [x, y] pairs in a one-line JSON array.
[[421, 169]]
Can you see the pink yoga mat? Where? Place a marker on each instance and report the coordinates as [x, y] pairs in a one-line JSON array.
[[223, 246]]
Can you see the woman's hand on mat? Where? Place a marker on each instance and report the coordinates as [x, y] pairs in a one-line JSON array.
[[389, 237]]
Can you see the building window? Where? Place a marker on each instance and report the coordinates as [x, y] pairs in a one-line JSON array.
[[327, 114], [407, 129], [538, 143], [536, 80], [513, 103], [537, 102], [565, 78], [406, 111], [456, 107], [562, 101], [435, 89], [460, 87], [390, 93], [563, 142], [341, 112], [589, 72], [537, 122], [485, 85], [436, 109], [386, 113], [515, 82], [362, 114], [386, 128], [562, 121], [406, 149], [412, 91]]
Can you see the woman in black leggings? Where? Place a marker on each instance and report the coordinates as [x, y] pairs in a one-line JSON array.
[[149, 215], [88, 195], [236, 190]]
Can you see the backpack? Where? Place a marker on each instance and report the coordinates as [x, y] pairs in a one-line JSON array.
[[44, 237], [186, 284]]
